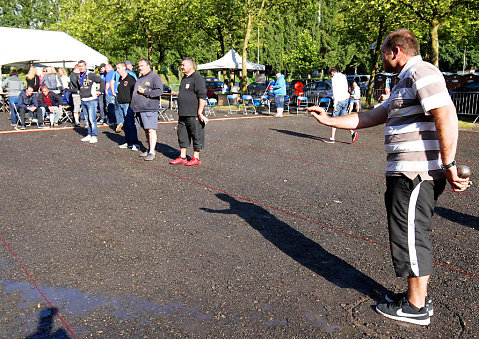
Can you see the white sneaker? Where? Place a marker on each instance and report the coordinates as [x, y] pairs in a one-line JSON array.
[[87, 138], [93, 140], [125, 145], [135, 148]]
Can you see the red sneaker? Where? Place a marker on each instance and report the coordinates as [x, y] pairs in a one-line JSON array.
[[193, 162], [354, 137], [178, 161]]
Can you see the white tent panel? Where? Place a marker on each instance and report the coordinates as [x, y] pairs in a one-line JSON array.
[[231, 60], [25, 46]]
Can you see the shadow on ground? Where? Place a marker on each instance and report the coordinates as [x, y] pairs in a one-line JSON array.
[[45, 326], [302, 249], [460, 218]]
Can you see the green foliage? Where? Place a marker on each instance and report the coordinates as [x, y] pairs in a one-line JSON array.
[[28, 14]]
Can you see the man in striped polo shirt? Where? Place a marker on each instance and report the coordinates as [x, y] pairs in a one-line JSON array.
[[420, 140]]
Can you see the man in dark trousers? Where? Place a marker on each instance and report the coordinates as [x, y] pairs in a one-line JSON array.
[[191, 103], [126, 85], [420, 140], [145, 102], [27, 102]]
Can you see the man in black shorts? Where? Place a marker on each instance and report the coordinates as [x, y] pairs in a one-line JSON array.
[[145, 101], [420, 140], [191, 103]]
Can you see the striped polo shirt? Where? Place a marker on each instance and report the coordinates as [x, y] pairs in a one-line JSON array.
[[411, 141]]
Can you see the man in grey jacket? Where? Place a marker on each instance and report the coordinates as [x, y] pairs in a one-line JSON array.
[[13, 85], [145, 102]]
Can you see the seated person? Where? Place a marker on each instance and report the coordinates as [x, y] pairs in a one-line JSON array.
[[49, 103], [27, 102], [385, 96]]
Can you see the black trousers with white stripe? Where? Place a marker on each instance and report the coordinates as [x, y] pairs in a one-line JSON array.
[[410, 207]]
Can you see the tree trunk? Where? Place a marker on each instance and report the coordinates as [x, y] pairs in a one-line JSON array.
[[374, 60], [244, 75], [433, 28]]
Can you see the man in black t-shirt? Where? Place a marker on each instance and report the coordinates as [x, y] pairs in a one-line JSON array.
[[191, 121], [126, 84]]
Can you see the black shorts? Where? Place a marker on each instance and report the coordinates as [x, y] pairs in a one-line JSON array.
[[190, 128], [410, 207]]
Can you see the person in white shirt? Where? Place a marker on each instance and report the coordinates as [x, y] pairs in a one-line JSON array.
[[340, 95]]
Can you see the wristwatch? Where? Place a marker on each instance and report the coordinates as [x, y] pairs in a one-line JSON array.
[[452, 164]]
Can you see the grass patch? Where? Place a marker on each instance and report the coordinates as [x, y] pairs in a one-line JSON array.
[[468, 125]]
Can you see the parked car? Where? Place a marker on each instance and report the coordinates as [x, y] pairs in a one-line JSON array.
[[466, 98], [257, 88], [315, 89], [212, 87]]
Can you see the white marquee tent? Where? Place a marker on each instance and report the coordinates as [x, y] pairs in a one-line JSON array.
[[230, 61], [22, 47]]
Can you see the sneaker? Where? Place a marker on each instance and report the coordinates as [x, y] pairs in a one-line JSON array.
[[135, 147], [125, 145], [76, 124], [193, 162], [278, 115], [145, 154], [150, 157], [354, 137], [105, 124], [42, 126], [87, 138], [396, 297], [329, 141], [93, 140], [118, 127], [403, 311], [178, 161]]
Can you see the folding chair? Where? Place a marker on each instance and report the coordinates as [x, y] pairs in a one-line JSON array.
[[210, 103], [28, 122], [286, 103], [265, 101], [162, 111], [248, 104], [233, 103], [325, 101], [302, 103]]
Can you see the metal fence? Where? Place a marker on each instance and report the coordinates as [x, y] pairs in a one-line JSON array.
[[466, 103]]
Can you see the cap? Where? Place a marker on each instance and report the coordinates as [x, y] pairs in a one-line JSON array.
[[102, 65], [128, 62]]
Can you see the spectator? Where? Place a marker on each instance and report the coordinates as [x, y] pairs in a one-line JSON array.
[[33, 79], [64, 78], [75, 90], [101, 98], [27, 102], [110, 100], [13, 85], [89, 92], [145, 102], [355, 99], [50, 103], [279, 90], [191, 103], [52, 80], [125, 92], [385, 95]]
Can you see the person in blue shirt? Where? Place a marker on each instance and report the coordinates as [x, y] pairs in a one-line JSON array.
[[110, 101], [279, 91]]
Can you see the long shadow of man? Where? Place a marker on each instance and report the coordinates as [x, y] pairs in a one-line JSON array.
[[45, 326], [302, 249]]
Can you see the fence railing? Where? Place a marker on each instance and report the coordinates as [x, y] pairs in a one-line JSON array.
[[466, 103]]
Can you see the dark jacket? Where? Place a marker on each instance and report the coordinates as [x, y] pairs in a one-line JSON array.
[[34, 83], [150, 100], [74, 83], [24, 101], [88, 89], [54, 98]]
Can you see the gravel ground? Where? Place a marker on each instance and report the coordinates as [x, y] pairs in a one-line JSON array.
[[276, 235]]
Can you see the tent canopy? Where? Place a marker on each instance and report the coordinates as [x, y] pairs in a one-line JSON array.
[[22, 47], [230, 61]]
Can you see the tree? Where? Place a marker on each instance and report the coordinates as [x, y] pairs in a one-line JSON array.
[[28, 14]]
